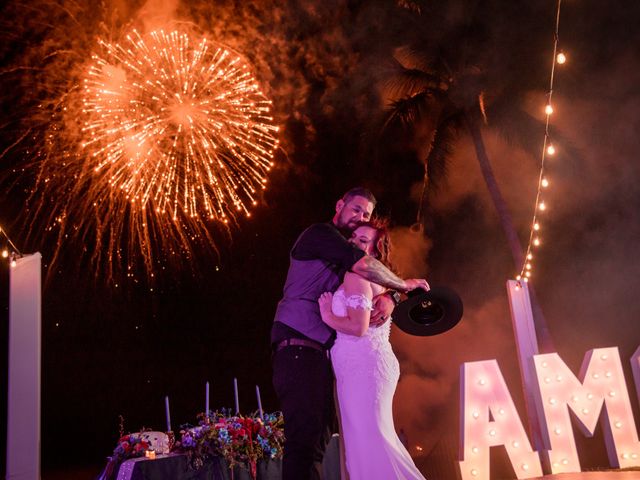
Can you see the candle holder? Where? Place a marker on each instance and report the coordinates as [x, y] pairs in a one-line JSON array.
[[172, 440], [150, 454]]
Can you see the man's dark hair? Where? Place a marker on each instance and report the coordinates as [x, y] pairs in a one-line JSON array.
[[359, 192]]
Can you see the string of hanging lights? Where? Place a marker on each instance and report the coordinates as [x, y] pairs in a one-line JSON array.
[[548, 150]]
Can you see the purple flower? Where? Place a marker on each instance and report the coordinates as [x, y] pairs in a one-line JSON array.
[[188, 441]]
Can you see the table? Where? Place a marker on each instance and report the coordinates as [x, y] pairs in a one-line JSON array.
[[175, 466]]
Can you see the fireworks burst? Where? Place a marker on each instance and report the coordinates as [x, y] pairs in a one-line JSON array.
[[172, 135]]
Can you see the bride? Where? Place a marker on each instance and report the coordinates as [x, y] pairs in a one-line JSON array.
[[366, 370]]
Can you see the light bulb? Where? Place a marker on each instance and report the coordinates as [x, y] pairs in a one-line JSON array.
[[536, 241], [530, 256], [5, 253], [545, 182], [551, 149], [542, 206], [561, 58], [548, 109], [536, 226]]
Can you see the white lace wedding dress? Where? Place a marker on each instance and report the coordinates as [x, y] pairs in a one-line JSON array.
[[367, 373]]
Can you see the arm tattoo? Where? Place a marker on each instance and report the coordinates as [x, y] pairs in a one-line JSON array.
[[374, 271]]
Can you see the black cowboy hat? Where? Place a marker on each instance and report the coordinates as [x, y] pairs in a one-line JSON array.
[[428, 313]]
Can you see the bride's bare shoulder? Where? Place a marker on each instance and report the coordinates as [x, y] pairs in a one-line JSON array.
[[353, 279]]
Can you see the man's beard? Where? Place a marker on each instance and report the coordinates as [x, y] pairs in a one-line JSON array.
[[351, 226], [346, 228]]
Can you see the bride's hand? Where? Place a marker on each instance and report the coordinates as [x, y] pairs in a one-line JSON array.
[[325, 301]]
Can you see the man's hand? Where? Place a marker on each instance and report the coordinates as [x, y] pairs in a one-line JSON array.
[[382, 308], [413, 283]]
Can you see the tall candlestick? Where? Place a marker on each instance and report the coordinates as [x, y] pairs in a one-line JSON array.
[[166, 409], [206, 409], [235, 393], [259, 402]]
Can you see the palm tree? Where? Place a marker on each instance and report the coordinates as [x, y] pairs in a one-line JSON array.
[[448, 83]]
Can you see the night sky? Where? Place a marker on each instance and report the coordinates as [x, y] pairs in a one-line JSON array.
[[117, 347]]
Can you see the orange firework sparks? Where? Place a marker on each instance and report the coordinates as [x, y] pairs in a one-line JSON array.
[[172, 134]]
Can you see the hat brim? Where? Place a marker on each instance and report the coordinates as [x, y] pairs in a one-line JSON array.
[[429, 313]]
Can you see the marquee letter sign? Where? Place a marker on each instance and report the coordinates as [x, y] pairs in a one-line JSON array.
[[600, 389], [489, 418]]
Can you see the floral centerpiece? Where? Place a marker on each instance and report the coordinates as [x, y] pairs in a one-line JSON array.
[[131, 445], [238, 439]]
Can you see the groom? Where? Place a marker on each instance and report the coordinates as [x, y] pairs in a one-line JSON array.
[[302, 374]]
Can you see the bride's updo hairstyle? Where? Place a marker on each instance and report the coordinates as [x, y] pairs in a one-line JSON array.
[[382, 244]]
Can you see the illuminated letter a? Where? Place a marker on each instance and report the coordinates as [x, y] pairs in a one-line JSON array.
[[489, 418]]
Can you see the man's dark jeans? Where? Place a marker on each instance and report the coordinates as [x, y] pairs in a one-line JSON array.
[[303, 380]]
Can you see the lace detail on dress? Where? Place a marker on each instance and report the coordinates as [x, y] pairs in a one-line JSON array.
[[367, 373], [370, 354], [358, 301], [341, 302]]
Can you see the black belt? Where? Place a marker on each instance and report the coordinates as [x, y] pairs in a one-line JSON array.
[[300, 342]]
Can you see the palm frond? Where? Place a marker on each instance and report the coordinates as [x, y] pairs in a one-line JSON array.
[[436, 162], [405, 81], [408, 111], [441, 150], [414, 57], [522, 130]]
